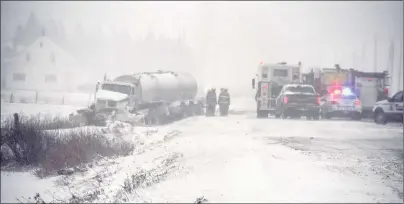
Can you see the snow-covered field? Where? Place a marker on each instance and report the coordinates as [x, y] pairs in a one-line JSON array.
[[35, 109], [238, 158], [44, 97]]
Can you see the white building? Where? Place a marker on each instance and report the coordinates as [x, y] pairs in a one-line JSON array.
[[43, 66]]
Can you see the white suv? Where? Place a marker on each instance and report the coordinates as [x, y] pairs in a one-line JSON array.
[[390, 109]]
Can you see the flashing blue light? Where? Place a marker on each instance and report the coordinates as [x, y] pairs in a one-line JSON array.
[[347, 92]]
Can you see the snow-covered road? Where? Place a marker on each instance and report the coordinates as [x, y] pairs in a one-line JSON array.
[[240, 158]]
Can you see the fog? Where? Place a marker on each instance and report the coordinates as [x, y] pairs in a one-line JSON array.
[[221, 43]]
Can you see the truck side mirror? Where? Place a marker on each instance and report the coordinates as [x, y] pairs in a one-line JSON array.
[[253, 83]]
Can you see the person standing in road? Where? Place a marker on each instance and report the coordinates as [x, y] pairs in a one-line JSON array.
[[224, 102], [214, 101], [211, 102]]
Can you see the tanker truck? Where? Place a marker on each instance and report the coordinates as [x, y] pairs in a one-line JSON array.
[[161, 96]]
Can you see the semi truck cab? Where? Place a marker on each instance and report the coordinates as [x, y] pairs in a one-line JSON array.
[[112, 94]]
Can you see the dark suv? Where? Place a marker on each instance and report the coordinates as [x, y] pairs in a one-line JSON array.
[[296, 100]]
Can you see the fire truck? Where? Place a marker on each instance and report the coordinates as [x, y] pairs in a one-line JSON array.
[[369, 87], [268, 83]]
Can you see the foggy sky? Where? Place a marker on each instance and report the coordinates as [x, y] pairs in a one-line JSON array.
[[230, 38]]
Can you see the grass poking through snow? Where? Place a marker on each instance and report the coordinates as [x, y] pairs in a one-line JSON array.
[[25, 143]]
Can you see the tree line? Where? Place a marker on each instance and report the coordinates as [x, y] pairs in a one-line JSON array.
[[95, 49]]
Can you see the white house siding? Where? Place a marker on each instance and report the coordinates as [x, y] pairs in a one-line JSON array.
[[68, 73]]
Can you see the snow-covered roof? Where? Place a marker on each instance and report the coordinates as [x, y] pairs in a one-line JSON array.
[[48, 44], [118, 83], [110, 95], [279, 65]]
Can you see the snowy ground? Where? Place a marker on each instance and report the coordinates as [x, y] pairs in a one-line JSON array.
[[46, 97], [240, 159], [35, 109]]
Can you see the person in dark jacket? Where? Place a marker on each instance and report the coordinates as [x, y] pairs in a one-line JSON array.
[[224, 102], [211, 102]]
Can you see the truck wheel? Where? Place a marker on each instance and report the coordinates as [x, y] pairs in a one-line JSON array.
[[380, 117]]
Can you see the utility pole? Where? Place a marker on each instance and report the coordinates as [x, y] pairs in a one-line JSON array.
[[353, 60], [390, 63], [375, 56], [400, 68], [363, 60]]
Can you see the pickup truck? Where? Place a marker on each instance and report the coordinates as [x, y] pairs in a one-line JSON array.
[[296, 100]]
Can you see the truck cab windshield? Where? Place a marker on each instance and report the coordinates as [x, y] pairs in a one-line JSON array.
[[117, 88]]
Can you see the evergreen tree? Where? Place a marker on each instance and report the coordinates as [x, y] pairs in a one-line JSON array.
[[52, 31], [32, 30], [18, 36], [61, 37]]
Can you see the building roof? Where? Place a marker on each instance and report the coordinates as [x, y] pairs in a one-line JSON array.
[[47, 43]]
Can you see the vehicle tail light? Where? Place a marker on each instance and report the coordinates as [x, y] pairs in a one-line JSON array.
[[318, 100], [357, 102], [285, 100], [265, 86]]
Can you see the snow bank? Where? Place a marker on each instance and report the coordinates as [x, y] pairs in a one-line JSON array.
[[24, 184]]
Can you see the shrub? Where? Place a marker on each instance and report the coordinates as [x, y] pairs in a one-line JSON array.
[[26, 143]]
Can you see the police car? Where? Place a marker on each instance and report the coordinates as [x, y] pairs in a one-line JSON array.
[[389, 110], [341, 101]]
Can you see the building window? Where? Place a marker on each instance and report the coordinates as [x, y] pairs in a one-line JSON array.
[[18, 77], [28, 57], [53, 58], [50, 79]]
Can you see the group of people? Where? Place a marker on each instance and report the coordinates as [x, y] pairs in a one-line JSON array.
[[212, 100]]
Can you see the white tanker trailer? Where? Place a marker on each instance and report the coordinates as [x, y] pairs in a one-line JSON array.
[[167, 95]]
